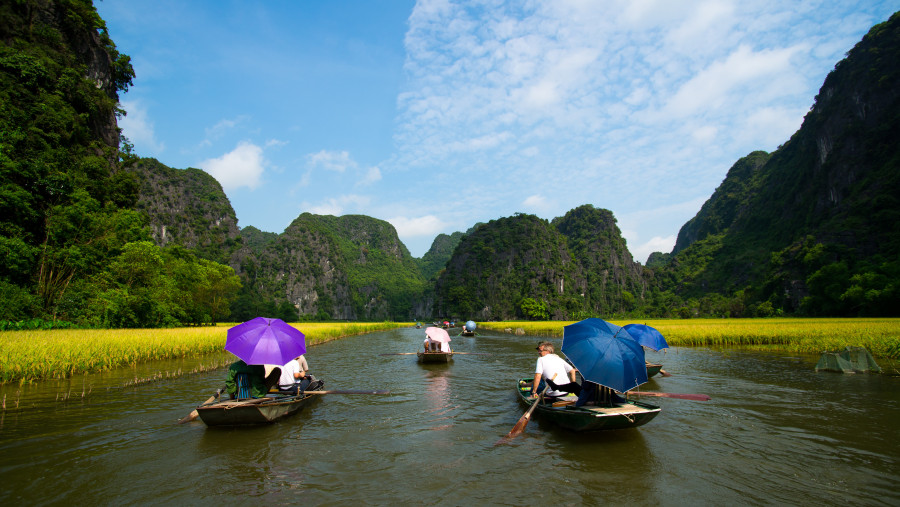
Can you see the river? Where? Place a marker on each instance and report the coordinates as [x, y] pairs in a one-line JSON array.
[[774, 432]]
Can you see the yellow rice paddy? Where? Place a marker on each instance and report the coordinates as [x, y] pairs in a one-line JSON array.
[[803, 336], [33, 355]]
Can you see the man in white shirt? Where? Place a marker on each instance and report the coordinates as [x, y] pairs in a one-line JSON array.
[[293, 376], [550, 366]]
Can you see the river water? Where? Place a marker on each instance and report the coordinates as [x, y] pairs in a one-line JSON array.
[[775, 432]]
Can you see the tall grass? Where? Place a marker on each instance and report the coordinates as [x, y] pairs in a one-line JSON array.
[[808, 336], [33, 355]]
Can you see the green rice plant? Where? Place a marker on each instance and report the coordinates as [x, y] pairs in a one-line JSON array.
[[60, 353], [880, 336]]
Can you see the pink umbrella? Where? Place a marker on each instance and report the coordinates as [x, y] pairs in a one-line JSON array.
[[436, 334]]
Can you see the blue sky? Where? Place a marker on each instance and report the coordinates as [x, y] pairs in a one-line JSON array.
[[436, 115]]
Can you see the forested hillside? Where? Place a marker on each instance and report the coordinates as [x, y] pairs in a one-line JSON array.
[[188, 208], [73, 246], [813, 227], [527, 267], [325, 267]]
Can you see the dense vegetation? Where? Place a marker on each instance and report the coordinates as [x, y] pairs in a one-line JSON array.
[[811, 229], [73, 246]]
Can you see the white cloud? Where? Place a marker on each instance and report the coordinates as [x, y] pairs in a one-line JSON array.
[[241, 167], [138, 128], [428, 225], [220, 129], [349, 203], [536, 202], [640, 253], [713, 87], [338, 161], [372, 175]]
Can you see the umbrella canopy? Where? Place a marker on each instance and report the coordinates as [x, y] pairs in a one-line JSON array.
[[646, 336], [437, 334], [605, 353], [470, 325], [265, 341]]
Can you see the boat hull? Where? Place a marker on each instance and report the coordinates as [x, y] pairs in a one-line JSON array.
[[250, 412], [630, 414], [653, 369], [434, 357]]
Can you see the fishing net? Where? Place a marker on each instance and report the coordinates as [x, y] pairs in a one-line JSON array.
[[849, 360]]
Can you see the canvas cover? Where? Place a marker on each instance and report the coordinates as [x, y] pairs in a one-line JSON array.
[[849, 360]]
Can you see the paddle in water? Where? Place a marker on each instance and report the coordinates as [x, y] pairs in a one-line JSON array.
[[694, 397], [523, 421], [193, 415]]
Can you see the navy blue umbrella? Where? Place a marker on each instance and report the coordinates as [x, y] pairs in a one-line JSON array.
[[647, 336], [605, 353]]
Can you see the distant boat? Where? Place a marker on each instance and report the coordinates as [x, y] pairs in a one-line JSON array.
[[564, 413]]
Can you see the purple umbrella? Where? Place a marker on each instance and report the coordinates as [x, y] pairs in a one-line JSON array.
[[265, 341]]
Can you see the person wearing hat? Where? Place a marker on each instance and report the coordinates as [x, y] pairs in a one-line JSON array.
[[549, 367]]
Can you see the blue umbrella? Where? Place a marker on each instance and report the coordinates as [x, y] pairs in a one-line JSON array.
[[647, 336], [605, 353]]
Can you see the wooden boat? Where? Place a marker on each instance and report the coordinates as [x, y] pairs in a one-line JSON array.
[[466, 332], [252, 411], [564, 413], [435, 357], [653, 369]]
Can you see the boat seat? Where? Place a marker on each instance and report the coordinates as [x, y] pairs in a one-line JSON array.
[[242, 380]]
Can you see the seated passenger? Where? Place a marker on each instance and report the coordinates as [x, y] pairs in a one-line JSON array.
[[554, 370], [256, 375]]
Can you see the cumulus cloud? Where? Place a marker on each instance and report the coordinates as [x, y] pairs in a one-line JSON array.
[[372, 175], [428, 225], [338, 161], [138, 128], [218, 130], [640, 253], [535, 202], [241, 167], [337, 206]]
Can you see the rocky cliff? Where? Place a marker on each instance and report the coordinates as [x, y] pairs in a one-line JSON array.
[[186, 207], [829, 196]]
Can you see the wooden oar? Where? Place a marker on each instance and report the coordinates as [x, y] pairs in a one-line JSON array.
[[664, 373], [523, 421], [345, 391], [194, 414], [695, 397], [454, 353]]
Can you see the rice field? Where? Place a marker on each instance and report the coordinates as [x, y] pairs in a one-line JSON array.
[[61, 353], [802, 336]]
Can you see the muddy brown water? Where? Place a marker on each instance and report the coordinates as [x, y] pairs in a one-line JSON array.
[[775, 432]]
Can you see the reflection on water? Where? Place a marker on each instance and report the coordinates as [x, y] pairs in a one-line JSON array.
[[775, 431]]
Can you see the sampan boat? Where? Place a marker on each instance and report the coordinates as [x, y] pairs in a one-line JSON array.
[[653, 369], [604, 416], [252, 411], [435, 357]]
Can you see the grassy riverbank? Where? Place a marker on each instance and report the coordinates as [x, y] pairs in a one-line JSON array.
[[809, 336], [35, 355]]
